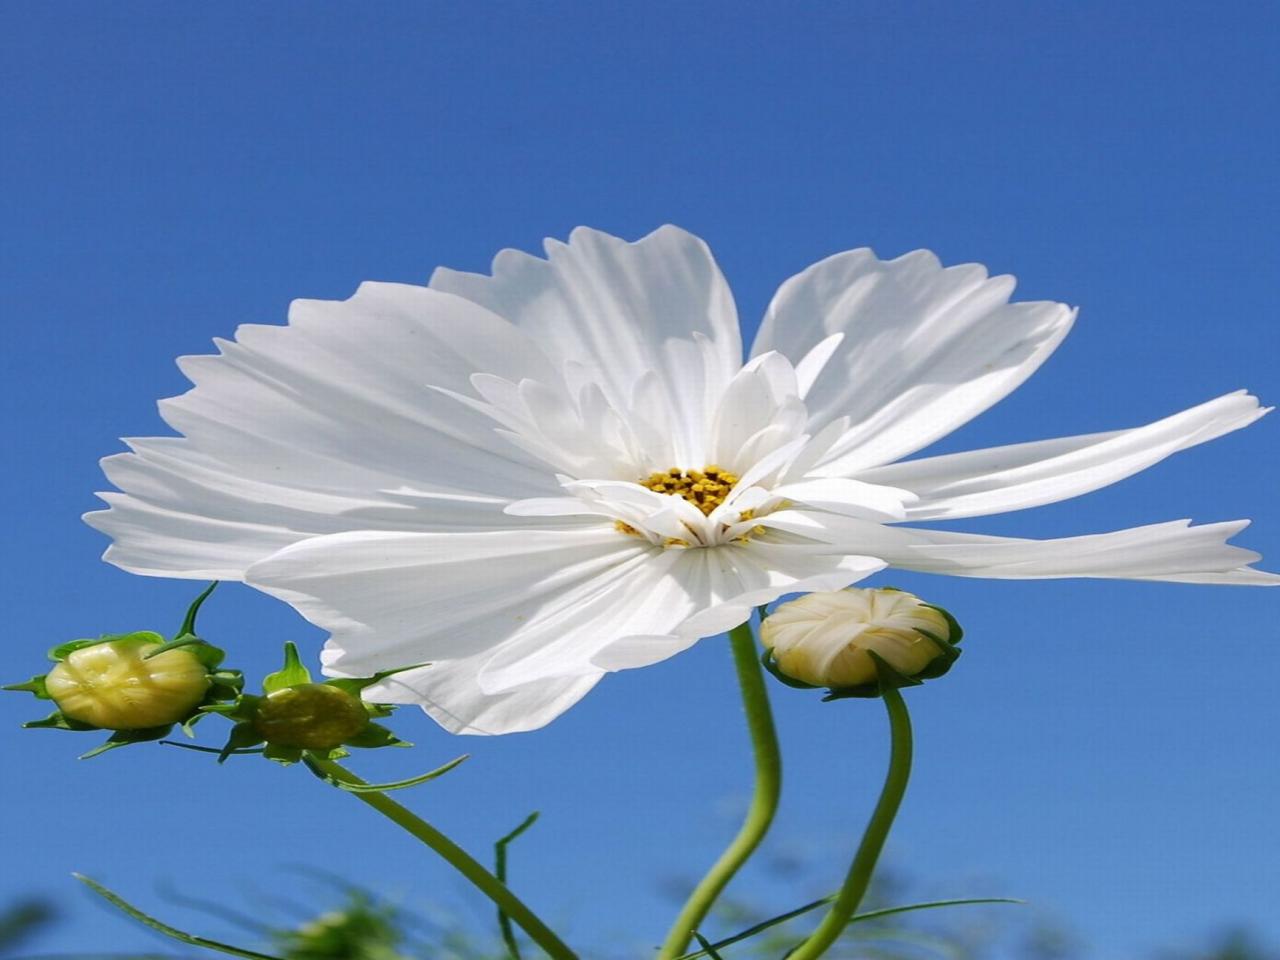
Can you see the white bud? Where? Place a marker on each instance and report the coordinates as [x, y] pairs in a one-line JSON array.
[[823, 638]]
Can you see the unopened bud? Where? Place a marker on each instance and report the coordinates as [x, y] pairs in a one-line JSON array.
[[827, 639], [115, 686], [310, 716]]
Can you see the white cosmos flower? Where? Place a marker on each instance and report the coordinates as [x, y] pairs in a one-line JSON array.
[[466, 476]]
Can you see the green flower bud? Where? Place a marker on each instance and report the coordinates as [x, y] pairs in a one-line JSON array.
[[310, 716], [113, 685], [840, 639]]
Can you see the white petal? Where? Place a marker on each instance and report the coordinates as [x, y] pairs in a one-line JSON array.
[[661, 609], [925, 348], [1029, 474], [1175, 551], [308, 429], [854, 498], [449, 692], [396, 599], [613, 307]]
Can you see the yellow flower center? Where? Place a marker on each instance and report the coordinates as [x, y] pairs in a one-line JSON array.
[[705, 488]]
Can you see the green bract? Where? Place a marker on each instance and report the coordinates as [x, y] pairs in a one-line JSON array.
[[295, 716], [137, 685]]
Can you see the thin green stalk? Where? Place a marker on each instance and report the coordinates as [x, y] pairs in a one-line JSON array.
[[864, 861], [764, 802], [457, 858]]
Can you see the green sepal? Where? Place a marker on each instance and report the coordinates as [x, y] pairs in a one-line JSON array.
[[35, 686], [352, 685], [285, 756], [242, 736], [225, 684], [61, 651], [953, 625], [122, 738], [375, 735], [57, 721], [243, 707], [139, 637], [210, 657], [886, 678], [771, 665], [188, 627], [356, 686], [291, 675]]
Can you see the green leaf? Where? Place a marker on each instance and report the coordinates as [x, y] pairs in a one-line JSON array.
[[385, 787], [188, 938], [857, 918], [189, 621], [500, 871], [34, 686], [199, 749], [707, 948], [292, 674]]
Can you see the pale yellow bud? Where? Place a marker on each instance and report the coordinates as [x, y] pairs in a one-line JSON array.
[[823, 638], [111, 685]]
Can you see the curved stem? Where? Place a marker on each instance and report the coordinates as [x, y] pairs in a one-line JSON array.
[[764, 802], [457, 858], [864, 861]]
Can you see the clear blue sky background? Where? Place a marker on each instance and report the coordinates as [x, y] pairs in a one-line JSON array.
[[1107, 750]]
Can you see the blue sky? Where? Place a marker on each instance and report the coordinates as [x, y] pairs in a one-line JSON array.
[[1106, 750]]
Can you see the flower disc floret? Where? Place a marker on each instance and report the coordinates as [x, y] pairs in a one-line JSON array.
[[310, 716], [115, 686], [706, 489]]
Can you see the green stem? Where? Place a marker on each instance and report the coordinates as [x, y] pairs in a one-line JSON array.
[[764, 802], [864, 861], [457, 858]]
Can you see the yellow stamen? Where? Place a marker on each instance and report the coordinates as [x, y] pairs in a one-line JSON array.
[[705, 488]]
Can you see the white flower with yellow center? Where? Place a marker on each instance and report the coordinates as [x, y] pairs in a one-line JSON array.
[[526, 480]]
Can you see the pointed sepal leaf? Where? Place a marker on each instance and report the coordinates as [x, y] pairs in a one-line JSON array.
[[57, 721], [35, 686], [122, 738], [188, 627], [291, 675], [242, 736], [375, 735], [281, 754]]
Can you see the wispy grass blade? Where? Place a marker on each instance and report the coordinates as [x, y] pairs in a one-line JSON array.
[[858, 918], [500, 871], [160, 927]]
